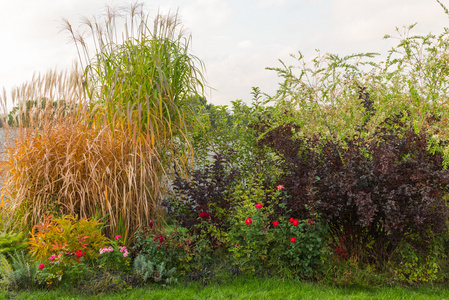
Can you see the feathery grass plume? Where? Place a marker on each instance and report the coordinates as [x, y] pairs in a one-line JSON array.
[[101, 142], [142, 85]]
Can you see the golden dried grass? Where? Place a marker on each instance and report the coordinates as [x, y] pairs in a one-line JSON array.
[[100, 142]]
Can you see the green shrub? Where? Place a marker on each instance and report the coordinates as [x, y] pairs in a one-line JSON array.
[[280, 246], [22, 273], [350, 272], [204, 203], [66, 235], [154, 272], [116, 256], [12, 242]]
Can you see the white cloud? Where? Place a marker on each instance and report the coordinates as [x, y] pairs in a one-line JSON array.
[[203, 16], [270, 3]]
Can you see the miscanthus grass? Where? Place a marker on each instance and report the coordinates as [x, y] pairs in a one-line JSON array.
[[102, 140]]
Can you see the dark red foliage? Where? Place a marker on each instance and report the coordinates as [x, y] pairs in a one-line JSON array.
[[205, 198], [370, 192]]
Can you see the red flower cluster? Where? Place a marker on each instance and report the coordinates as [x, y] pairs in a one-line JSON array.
[[259, 206], [160, 238], [79, 253], [248, 221], [294, 222], [275, 223], [204, 214], [41, 266], [292, 240], [117, 237]]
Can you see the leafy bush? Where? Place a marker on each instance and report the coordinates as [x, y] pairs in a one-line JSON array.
[[204, 203], [413, 264], [371, 193], [115, 256], [12, 242], [148, 270], [66, 235], [279, 246], [21, 273], [232, 133]]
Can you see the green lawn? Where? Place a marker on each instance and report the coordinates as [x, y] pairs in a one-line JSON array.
[[252, 288]]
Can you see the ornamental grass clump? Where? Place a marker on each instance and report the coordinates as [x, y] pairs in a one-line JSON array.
[[102, 140]]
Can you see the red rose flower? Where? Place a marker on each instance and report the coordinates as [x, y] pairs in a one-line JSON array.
[[79, 254], [291, 220], [275, 223], [248, 221], [259, 206], [310, 222], [280, 187], [117, 237], [295, 222], [41, 266], [204, 214], [150, 224], [292, 240], [237, 244]]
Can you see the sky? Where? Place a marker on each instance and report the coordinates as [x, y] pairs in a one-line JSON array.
[[235, 39]]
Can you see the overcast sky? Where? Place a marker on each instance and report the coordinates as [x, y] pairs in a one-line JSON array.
[[235, 39]]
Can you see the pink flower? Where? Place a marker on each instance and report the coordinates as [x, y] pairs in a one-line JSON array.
[[117, 237], [52, 258], [125, 254], [292, 240], [123, 249], [248, 221], [280, 187], [259, 206], [275, 223], [295, 222], [204, 214], [41, 266]]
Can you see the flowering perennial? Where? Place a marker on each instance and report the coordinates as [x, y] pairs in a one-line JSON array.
[[160, 238], [106, 249], [204, 215]]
